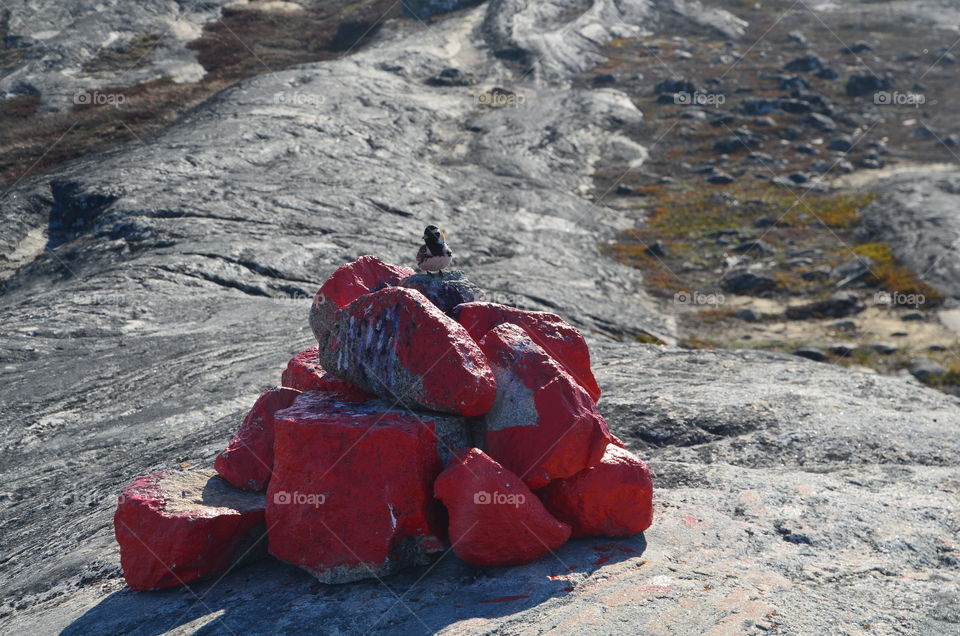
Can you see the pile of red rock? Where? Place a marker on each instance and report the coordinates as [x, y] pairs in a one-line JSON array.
[[369, 453]]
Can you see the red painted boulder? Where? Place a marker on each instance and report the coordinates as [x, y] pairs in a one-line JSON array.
[[247, 462], [346, 284], [494, 518], [562, 341], [180, 526], [304, 373], [399, 346], [543, 425], [613, 499], [352, 491]]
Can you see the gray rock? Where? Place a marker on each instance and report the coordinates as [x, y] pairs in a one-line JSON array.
[[821, 122], [811, 353], [926, 369], [451, 77], [720, 178], [839, 305], [748, 315], [860, 84], [843, 143], [743, 281], [916, 216], [804, 63], [446, 291]]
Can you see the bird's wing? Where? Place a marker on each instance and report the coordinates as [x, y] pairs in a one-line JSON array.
[[422, 254]]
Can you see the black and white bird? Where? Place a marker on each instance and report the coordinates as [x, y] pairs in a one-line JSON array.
[[434, 255]]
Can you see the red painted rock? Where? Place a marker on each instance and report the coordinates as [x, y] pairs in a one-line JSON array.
[[247, 461], [543, 425], [562, 341], [399, 346], [304, 373], [494, 518], [346, 284], [352, 491], [613, 499], [178, 526]]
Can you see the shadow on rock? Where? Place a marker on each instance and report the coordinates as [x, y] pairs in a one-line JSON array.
[[274, 597]]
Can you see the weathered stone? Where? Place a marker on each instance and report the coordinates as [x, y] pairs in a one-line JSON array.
[[446, 291], [494, 518], [613, 499], [543, 425], [563, 342], [351, 493], [175, 527], [398, 345], [247, 461]]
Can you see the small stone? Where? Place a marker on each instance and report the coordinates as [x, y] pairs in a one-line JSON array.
[[604, 79], [913, 316], [742, 281], [754, 248], [451, 77], [811, 353], [828, 73], [806, 149], [843, 143], [839, 305], [804, 64], [926, 369], [446, 291], [821, 122], [720, 178], [748, 315], [857, 47], [860, 84], [657, 249], [883, 348]]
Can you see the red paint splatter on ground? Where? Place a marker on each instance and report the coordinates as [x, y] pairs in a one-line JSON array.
[[567, 589], [601, 560], [572, 568], [690, 521], [504, 599]]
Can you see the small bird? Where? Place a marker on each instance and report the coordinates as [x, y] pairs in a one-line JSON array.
[[434, 254]]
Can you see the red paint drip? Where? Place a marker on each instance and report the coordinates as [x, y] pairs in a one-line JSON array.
[[504, 599]]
